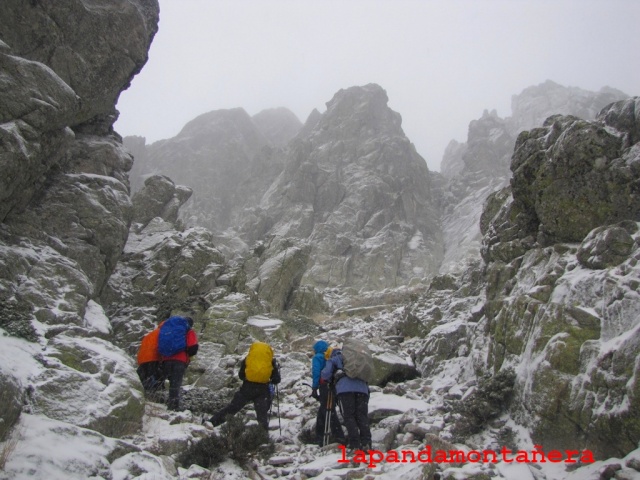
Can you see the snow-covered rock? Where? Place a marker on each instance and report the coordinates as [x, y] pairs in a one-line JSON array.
[[353, 216]]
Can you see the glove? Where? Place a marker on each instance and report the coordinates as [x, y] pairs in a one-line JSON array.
[[315, 394]]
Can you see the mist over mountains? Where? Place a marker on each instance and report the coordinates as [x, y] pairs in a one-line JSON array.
[[349, 182], [500, 296]]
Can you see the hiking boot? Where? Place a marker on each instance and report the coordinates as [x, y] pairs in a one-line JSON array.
[[207, 423], [216, 421], [350, 454], [351, 451]]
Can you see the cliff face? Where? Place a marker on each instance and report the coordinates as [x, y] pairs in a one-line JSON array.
[[561, 246], [350, 185], [354, 187], [65, 205], [481, 165], [94, 47], [555, 305], [225, 158]]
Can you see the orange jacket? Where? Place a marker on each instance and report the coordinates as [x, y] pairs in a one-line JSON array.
[[148, 351]]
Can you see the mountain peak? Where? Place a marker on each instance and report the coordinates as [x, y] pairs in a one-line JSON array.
[[363, 107], [279, 125]]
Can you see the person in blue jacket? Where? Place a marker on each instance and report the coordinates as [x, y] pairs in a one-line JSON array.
[[320, 391], [353, 395]]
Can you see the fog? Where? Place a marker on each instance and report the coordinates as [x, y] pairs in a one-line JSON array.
[[442, 62]]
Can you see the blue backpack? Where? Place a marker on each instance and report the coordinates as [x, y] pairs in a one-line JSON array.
[[173, 336]]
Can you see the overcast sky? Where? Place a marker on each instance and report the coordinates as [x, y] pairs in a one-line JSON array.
[[442, 62]]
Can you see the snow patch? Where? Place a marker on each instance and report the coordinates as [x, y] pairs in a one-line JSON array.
[[260, 321], [96, 319]]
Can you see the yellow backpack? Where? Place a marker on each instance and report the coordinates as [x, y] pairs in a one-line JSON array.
[[258, 366]]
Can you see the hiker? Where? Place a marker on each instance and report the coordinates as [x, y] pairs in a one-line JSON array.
[[258, 370], [149, 365], [353, 395], [320, 391], [178, 332]]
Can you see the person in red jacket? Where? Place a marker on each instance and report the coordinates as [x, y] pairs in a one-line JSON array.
[[175, 366]]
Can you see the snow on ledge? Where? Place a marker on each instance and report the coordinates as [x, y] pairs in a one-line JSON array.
[[385, 401], [264, 322]]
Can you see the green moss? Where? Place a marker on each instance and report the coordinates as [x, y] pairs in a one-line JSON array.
[[76, 359], [566, 357], [510, 328], [125, 419], [488, 401], [615, 436], [558, 426], [571, 328]]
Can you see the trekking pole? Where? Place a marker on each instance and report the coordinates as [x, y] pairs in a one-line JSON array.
[[327, 419], [278, 400], [270, 412], [339, 403]]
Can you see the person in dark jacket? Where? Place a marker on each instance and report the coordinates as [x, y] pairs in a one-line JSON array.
[[353, 395], [320, 391], [257, 392], [175, 366]]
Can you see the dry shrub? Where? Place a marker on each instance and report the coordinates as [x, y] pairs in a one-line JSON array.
[[237, 441]]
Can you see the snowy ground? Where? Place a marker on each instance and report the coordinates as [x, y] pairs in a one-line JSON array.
[[404, 416]]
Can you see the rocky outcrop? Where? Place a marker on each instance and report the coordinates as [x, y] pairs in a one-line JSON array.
[[569, 177], [355, 188], [94, 48], [560, 312], [350, 184], [160, 198], [65, 202], [85, 270], [481, 166], [536, 103], [34, 120], [225, 158], [137, 147], [11, 396], [281, 264], [85, 212], [388, 367], [581, 154], [607, 246], [567, 312], [162, 271]]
